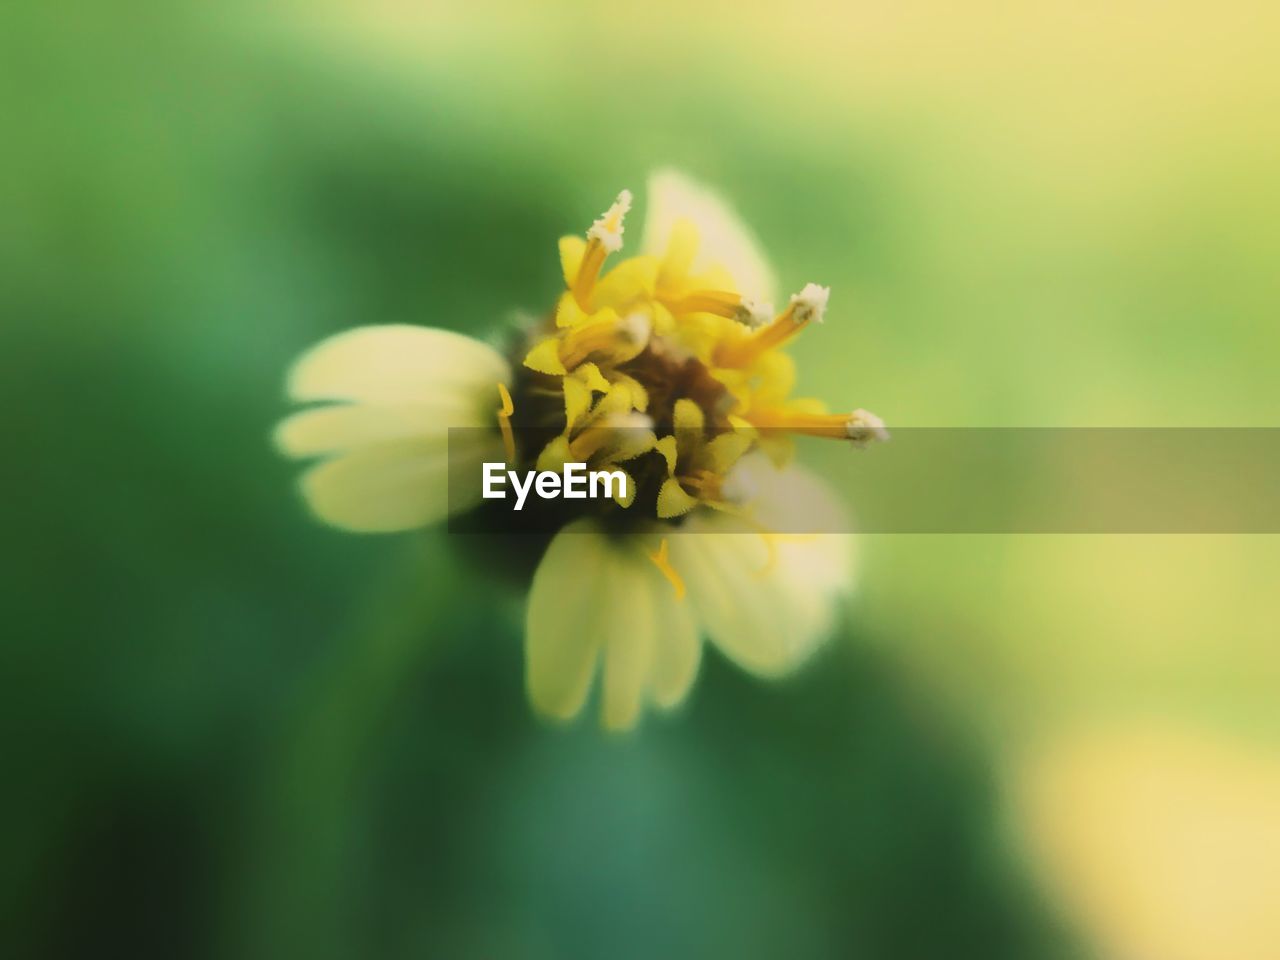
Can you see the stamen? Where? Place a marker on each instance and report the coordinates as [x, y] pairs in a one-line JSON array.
[[807, 306], [587, 443], [707, 483], [863, 427], [722, 303], [754, 313], [608, 228], [504, 423], [604, 238], [614, 436], [810, 303], [860, 426], [618, 340], [661, 559]]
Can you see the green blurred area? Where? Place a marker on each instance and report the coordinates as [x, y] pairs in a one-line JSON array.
[[232, 732]]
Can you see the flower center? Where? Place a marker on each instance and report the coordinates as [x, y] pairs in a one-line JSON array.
[[668, 375]]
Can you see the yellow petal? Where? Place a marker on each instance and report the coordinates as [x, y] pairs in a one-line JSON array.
[[554, 455], [577, 400], [667, 447], [631, 280], [395, 364], [614, 403], [664, 323], [627, 494], [726, 449], [545, 358], [774, 375], [627, 443], [639, 395], [673, 501], [688, 416], [568, 313], [571, 250], [778, 447], [725, 240], [590, 375], [682, 247]]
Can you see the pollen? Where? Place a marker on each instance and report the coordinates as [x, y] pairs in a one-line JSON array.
[[603, 238], [753, 314], [810, 303], [863, 427], [607, 229]]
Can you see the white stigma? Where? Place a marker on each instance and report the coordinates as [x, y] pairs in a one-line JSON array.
[[608, 229], [753, 313], [863, 427], [810, 303]]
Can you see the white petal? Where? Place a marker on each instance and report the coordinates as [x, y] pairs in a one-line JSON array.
[[596, 597], [628, 653], [817, 566], [394, 364], [738, 606], [563, 633], [766, 612], [677, 648], [338, 427], [786, 500], [410, 385], [396, 486], [726, 240]]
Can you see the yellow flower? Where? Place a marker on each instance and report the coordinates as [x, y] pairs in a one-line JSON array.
[[666, 366]]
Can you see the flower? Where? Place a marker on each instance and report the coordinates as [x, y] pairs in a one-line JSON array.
[[667, 366]]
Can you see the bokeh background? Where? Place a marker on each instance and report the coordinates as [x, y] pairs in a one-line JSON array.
[[230, 732]]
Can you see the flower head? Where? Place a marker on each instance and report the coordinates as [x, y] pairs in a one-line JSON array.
[[668, 366]]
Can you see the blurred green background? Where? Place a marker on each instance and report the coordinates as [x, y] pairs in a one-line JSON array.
[[233, 733]]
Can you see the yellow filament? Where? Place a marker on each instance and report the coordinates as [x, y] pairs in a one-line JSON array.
[[588, 442], [661, 559], [773, 334], [705, 482], [835, 425], [504, 423], [721, 303], [585, 281], [581, 344]]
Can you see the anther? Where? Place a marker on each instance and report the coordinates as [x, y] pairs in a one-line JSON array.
[[807, 306], [863, 427], [604, 238]]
